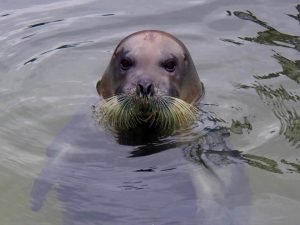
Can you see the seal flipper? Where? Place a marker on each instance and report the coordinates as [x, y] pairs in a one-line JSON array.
[[51, 174], [43, 184], [40, 188]]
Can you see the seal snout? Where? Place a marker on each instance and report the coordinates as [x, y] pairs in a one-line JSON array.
[[145, 89]]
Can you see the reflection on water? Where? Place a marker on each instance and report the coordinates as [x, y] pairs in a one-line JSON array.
[[71, 45], [276, 98], [265, 92], [296, 17], [237, 126], [271, 36], [43, 23], [295, 166], [288, 116], [6, 14], [64, 46], [290, 123], [212, 147], [279, 99], [290, 69], [262, 163], [152, 148]]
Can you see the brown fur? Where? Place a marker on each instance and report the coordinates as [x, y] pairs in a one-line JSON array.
[[146, 46]]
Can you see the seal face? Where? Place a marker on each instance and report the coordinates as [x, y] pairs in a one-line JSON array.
[[151, 79]]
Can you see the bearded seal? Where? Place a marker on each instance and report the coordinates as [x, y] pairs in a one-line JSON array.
[[98, 181], [151, 79]]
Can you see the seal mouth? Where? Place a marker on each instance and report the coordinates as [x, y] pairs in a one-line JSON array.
[[124, 112]]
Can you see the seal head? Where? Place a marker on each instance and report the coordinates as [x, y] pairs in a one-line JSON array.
[[150, 71]]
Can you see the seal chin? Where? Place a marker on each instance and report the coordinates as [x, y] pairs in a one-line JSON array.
[[125, 112]]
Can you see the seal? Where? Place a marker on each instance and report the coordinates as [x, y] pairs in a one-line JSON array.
[[89, 171], [151, 79]]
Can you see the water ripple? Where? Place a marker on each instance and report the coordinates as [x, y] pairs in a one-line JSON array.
[[64, 46], [43, 23]]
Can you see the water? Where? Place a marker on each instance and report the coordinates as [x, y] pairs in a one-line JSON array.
[[53, 53]]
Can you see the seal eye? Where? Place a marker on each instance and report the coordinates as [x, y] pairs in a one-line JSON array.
[[126, 64], [170, 65]]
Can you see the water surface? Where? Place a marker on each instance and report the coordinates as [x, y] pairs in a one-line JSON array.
[[247, 55]]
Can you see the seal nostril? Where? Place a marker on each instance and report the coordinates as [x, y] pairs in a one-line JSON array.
[[150, 90], [139, 90], [145, 89]]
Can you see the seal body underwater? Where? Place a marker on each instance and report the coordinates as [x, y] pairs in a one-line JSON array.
[[151, 77], [101, 182]]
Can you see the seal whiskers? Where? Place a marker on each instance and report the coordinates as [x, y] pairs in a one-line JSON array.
[[128, 111]]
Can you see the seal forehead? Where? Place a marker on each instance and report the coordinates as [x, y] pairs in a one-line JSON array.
[[151, 42], [150, 36]]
